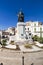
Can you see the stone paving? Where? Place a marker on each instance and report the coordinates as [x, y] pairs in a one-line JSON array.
[[12, 57], [34, 48]]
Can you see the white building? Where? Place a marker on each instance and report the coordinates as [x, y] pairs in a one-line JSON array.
[[11, 30], [35, 27]]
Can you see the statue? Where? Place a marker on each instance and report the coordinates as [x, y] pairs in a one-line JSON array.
[[20, 17]]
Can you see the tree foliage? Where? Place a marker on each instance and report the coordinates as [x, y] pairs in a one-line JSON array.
[[35, 38], [4, 42], [39, 39]]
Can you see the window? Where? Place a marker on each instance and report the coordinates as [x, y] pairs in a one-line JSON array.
[[28, 28], [40, 29], [29, 33], [21, 34], [26, 37], [35, 29], [34, 24], [25, 28], [3, 37]]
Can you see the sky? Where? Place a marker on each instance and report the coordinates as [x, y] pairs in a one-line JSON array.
[[33, 10]]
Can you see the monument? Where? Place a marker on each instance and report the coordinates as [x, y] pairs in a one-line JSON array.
[[21, 26]]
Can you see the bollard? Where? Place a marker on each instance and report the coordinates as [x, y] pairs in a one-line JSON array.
[[22, 60], [32, 64], [1, 63]]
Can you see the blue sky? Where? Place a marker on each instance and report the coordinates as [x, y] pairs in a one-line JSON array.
[[33, 10]]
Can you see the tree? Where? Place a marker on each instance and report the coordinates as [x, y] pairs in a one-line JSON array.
[[35, 38], [4, 43], [40, 40]]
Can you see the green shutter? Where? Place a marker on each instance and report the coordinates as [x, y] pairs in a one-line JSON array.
[[34, 29]]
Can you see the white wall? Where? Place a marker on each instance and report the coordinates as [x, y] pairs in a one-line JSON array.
[[32, 26]]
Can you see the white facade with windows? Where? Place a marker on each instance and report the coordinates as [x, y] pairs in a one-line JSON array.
[[36, 28], [11, 30]]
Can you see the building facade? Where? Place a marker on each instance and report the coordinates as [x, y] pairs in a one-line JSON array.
[[35, 27]]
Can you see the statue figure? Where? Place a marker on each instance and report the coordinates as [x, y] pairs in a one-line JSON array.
[[21, 17]]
